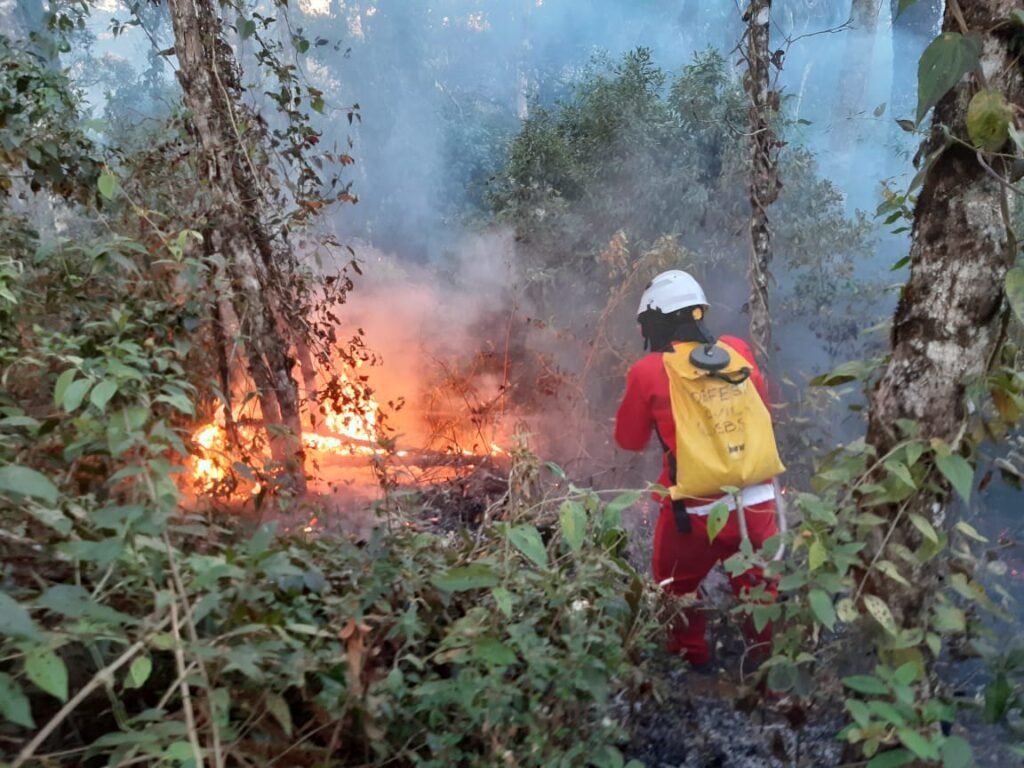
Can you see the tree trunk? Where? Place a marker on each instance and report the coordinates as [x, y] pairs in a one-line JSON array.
[[947, 324], [923, 18], [209, 79], [860, 51], [764, 181], [522, 66]]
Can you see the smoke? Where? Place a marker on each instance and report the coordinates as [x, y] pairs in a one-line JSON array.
[[441, 88], [441, 341]]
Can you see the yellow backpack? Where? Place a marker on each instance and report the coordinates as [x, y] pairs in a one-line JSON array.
[[724, 434]]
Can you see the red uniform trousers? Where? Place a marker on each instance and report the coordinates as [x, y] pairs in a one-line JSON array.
[[687, 558]]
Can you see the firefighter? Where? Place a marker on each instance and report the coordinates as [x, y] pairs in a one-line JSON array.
[[672, 310]]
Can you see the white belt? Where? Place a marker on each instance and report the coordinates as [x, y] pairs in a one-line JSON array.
[[751, 495]]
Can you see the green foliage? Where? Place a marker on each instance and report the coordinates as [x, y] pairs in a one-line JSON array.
[[1015, 292], [408, 649], [947, 59], [891, 713], [868, 543], [41, 139]]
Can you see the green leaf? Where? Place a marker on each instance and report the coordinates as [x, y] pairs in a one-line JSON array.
[[462, 578], [881, 613], [899, 469], [859, 711], [556, 470], [782, 677], [278, 707], [261, 539], [889, 569], [63, 382], [944, 62], [949, 618], [956, 753], [717, 519], [102, 393], [959, 472], [492, 651], [46, 669], [969, 530], [220, 706], [892, 759], [246, 29], [817, 555], [853, 370], [107, 184], [15, 620], [846, 610], [27, 482], [925, 527], [527, 540], [181, 751], [886, 711], [1014, 287], [14, 704], [868, 684], [138, 672], [918, 744], [75, 394], [998, 694], [913, 452], [317, 104], [821, 605], [792, 581], [623, 501], [503, 599], [907, 673], [573, 519]]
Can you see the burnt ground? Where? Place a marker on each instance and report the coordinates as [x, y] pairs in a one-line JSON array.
[[708, 720]]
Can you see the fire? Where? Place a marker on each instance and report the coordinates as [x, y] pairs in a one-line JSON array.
[[356, 418], [206, 469], [348, 426], [350, 418]]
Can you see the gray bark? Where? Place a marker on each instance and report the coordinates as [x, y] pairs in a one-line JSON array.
[[764, 182], [209, 79]]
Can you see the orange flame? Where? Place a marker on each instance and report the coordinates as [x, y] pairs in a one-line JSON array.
[[351, 420]]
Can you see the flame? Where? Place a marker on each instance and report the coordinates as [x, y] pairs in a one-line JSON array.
[[349, 425], [211, 439]]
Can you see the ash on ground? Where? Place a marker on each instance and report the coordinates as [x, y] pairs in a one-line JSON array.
[[464, 502]]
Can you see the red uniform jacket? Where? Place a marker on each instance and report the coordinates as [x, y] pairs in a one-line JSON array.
[[647, 403]]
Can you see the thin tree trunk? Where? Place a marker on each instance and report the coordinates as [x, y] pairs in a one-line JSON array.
[[947, 324], [522, 65], [860, 52], [209, 79], [923, 18], [764, 181]]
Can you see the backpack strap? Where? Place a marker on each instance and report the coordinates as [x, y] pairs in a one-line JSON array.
[[682, 517]]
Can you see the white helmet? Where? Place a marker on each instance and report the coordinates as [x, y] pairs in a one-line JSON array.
[[670, 291]]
